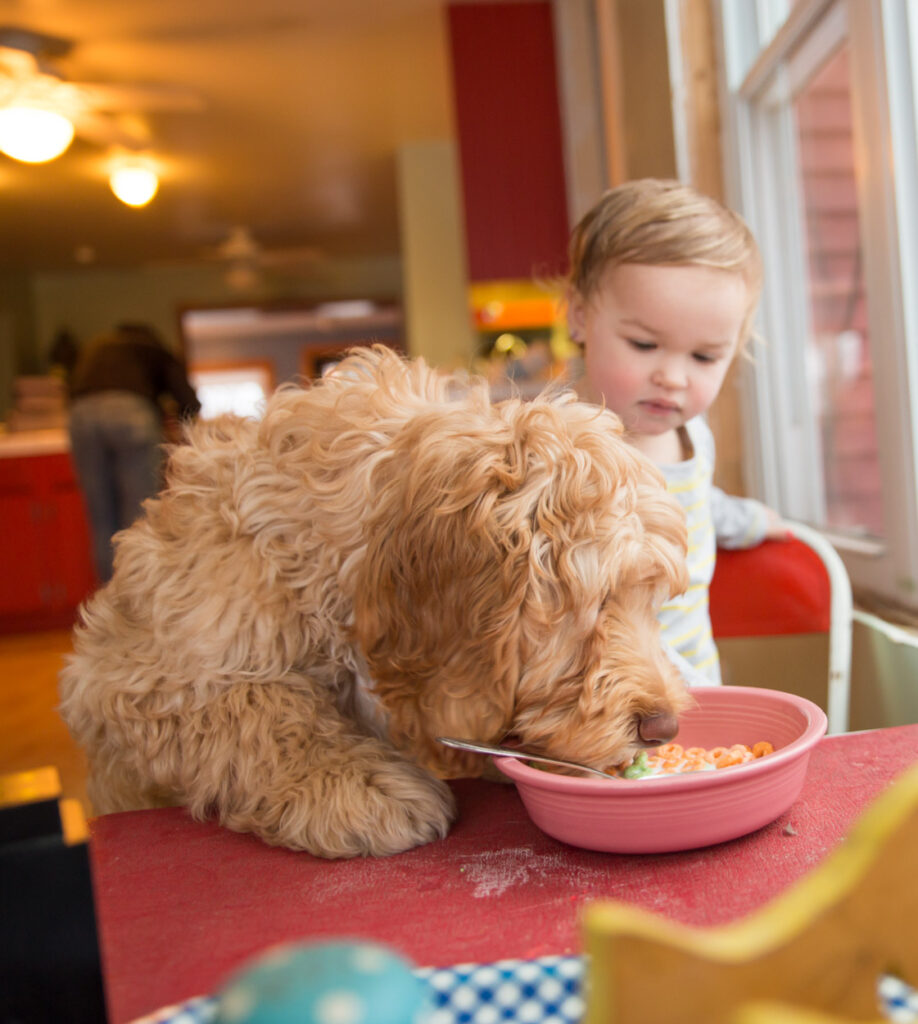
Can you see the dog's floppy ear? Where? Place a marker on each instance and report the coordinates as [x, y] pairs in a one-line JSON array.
[[439, 593]]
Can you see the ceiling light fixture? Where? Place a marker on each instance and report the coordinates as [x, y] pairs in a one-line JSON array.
[[34, 134], [134, 180]]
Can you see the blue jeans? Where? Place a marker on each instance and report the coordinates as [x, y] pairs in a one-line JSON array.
[[115, 442]]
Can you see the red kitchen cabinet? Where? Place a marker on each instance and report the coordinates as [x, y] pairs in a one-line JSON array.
[[44, 539]]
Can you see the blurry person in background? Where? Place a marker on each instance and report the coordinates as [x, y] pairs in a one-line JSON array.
[[119, 388], [64, 354]]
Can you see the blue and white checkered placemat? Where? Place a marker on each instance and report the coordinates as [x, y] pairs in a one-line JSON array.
[[542, 991], [898, 1001], [548, 990]]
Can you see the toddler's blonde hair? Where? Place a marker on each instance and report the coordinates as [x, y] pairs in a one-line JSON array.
[[655, 221]]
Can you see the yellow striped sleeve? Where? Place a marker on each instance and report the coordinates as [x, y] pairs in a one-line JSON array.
[[687, 609], [707, 662], [687, 485], [678, 641]]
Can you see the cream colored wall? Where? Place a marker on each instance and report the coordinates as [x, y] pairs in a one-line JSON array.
[[92, 301], [436, 302]]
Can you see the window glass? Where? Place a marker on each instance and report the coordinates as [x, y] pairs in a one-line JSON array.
[[241, 389], [821, 153], [838, 347]]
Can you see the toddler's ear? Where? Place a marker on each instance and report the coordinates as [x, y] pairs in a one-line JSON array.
[[576, 316]]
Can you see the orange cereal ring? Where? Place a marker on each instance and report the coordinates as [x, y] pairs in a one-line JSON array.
[[671, 758]]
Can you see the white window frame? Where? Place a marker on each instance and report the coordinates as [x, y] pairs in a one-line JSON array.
[[781, 450]]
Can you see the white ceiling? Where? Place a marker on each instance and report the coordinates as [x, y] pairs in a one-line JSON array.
[[305, 105]]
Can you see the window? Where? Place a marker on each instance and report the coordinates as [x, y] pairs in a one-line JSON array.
[[240, 387], [838, 357], [237, 355], [822, 163]]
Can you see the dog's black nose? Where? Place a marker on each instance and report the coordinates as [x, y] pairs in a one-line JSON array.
[[659, 728]]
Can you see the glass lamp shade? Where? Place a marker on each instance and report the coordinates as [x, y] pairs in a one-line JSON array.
[[34, 135], [134, 184]]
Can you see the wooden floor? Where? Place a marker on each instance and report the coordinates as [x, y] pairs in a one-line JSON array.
[[32, 734]]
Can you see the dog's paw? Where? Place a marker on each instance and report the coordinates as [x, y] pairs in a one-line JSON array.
[[405, 807], [369, 806]]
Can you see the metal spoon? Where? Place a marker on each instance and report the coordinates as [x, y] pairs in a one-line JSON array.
[[521, 755]]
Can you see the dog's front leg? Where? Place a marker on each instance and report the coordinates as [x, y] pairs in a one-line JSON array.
[[279, 760]]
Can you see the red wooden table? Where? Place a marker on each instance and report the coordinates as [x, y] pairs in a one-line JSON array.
[[180, 904]]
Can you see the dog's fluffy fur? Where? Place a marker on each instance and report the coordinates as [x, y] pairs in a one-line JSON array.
[[386, 557]]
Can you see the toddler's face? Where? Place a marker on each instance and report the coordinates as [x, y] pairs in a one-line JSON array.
[[659, 340]]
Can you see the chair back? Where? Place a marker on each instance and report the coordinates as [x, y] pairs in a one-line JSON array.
[[781, 588]]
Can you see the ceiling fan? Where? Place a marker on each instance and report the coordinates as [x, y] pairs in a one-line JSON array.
[[247, 260], [99, 112]]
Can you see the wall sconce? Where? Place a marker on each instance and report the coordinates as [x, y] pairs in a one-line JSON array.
[[134, 180], [34, 134]]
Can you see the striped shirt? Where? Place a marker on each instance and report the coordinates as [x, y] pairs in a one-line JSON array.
[[713, 519]]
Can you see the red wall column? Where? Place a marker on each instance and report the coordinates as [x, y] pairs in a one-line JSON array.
[[509, 128]]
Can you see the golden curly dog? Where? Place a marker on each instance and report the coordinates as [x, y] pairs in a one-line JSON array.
[[384, 558]]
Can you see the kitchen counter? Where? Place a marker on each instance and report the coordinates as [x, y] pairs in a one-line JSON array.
[[17, 444], [45, 549]]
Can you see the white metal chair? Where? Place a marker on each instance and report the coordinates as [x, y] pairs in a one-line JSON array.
[[787, 587]]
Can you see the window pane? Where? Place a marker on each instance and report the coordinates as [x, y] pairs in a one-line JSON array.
[[838, 354], [239, 388]]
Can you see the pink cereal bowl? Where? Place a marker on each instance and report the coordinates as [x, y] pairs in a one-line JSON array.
[[663, 814]]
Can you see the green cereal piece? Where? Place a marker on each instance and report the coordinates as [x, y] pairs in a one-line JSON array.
[[638, 767]]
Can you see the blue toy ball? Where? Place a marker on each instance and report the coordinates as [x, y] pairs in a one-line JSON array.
[[325, 983]]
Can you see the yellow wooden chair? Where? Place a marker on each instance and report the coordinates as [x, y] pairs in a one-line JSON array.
[[819, 948]]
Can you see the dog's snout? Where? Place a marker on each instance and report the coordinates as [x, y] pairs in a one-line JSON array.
[[660, 728]]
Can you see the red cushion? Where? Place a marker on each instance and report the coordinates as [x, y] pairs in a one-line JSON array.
[[777, 588]]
